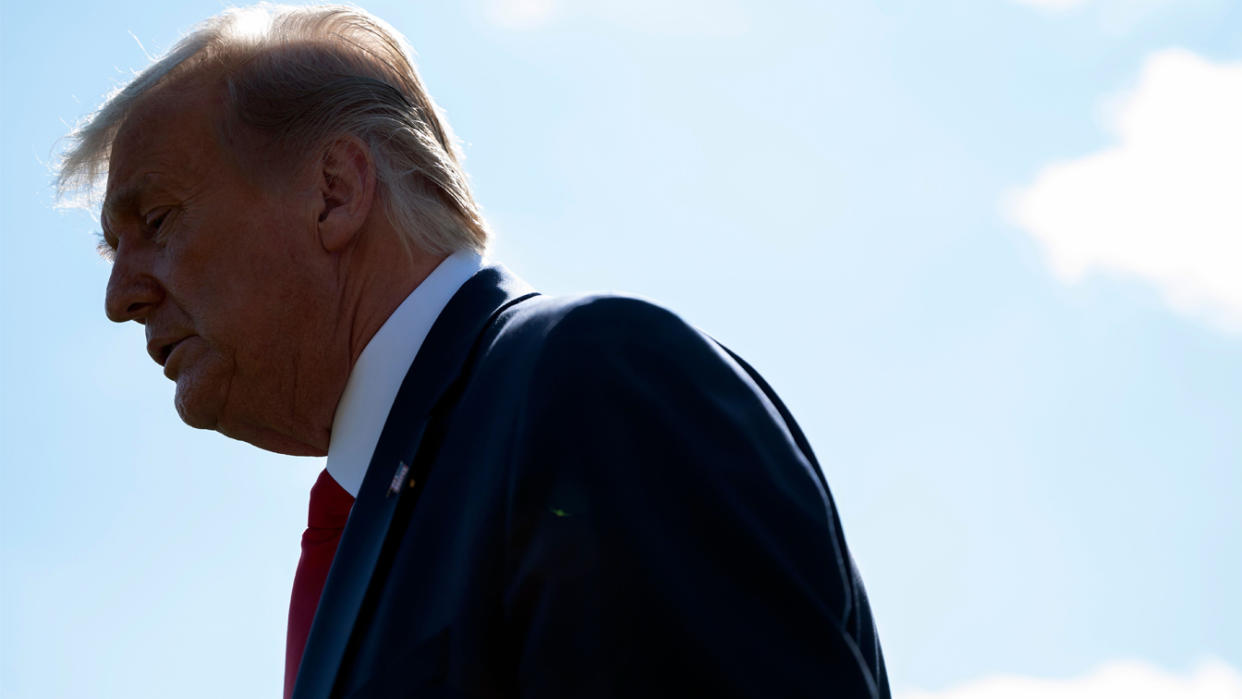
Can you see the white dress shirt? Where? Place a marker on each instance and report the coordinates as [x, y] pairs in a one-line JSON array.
[[378, 373]]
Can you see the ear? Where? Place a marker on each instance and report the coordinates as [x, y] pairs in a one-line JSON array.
[[347, 191]]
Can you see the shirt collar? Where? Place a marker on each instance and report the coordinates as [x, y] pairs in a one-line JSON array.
[[377, 375]]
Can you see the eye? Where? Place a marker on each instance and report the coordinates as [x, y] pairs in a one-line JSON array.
[[155, 223]]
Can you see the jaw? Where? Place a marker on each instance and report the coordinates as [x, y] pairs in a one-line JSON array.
[[273, 440], [266, 414], [260, 407]]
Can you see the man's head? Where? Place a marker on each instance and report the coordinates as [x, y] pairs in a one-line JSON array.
[[262, 181]]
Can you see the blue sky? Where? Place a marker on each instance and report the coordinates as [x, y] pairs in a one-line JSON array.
[[977, 245]]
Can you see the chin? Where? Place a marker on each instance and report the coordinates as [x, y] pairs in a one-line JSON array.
[[268, 440], [194, 413], [203, 403], [202, 387]]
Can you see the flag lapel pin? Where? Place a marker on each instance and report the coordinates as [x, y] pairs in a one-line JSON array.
[[403, 469]]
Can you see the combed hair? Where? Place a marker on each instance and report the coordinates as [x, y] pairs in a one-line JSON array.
[[300, 76]]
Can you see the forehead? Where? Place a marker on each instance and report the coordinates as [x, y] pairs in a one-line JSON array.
[[171, 137]]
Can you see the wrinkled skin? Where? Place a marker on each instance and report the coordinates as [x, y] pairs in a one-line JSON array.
[[257, 293]]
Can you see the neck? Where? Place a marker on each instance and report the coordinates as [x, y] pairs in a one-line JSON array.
[[368, 281], [375, 276], [373, 295]]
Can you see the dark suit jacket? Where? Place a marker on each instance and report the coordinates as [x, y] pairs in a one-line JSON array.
[[586, 497]]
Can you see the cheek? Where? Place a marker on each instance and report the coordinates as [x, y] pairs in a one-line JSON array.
[[254, 319], [218, 282], [250, 286]]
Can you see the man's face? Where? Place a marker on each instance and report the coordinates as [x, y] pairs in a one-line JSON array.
[[221, 269]]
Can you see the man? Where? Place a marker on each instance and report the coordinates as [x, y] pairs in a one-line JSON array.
[[571, 497]]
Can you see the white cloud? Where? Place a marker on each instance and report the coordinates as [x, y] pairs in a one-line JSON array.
[[1053, 5], [521, 14], [1122, 16], [1123, 680], [1107, 5], [670, 17], [1164, 204], [677, 17]]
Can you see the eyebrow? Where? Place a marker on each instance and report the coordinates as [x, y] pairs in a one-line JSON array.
[[124, 197]]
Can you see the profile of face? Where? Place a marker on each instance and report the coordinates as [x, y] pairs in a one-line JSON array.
[[224, 269]]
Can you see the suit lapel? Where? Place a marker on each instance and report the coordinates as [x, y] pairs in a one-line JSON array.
[[438, 365]]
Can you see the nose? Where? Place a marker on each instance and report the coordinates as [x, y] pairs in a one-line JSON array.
[[132, 292]]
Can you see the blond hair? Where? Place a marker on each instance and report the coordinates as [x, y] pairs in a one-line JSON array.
[[300, 76]]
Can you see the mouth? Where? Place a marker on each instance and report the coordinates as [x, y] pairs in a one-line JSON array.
[[161, 354], [164, 352]]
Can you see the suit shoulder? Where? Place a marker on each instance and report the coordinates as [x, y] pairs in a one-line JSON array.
[[612, 319], [550, 343]]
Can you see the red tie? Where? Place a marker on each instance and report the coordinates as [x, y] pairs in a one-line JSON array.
[[329, 508]]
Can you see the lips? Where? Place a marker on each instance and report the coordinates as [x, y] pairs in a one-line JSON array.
[[167, 351], [160, 347]]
